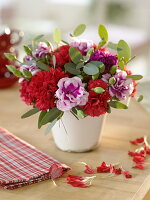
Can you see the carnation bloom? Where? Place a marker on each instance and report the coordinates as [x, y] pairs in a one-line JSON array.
[[62, 56], [122, 88], [97, 102], [28, 58], [108, 59], [41, 89], [42, 50], [83, 45], [71, 93]]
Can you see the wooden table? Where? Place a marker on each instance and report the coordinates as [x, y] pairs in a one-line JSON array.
[[121, 126]]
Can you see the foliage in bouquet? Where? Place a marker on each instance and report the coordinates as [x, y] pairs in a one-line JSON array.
[[81, 77]]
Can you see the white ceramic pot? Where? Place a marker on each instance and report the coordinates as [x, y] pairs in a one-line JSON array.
[[74, 135]]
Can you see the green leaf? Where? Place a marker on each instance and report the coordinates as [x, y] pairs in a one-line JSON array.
[[79, 30], [27, 50], [71, 68], [112, 80], [27, 73], [80, 114], [125, 51], [42, 114], [15, 71], [57, 35], [80, 76], [30, 112], [10, 56], [51, 115], [102, 31], [38, 38], [109, 109], [113, 69], [121, 64], [135, 77], [91, 69], [100, 65], [75, 55], [117, 104], [112, 45], [74, 112], [43, 66], [50, 126], [140, 98], [98, 89], [79, 65]]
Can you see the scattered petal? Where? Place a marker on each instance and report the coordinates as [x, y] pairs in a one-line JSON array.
[[103, 168], [139, 159], [127, 174], [137, 141], [138, 166], [88, 170]]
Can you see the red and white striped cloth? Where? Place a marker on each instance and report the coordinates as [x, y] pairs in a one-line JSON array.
[[22, 164]]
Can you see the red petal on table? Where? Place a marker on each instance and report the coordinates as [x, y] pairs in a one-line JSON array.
[[55, 171], [88, 170], [138, 159], [127, 174], [137, 141], [103, 168], [72, 177], [118, 171], [76, 184], [132, 153], [138, 166], [148, 151]]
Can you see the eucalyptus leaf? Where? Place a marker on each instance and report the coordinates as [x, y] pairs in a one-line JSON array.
[[80, 114], [91, 69], [140, 98], [98, 89], [71, 68], [112, 45], [42, 114], [27, 73], [102, 31], [112, 80], [27, 50], [100, 65], [43, 66], [113, 69], [51, 115], [30, 113], [135, 77], [10, 56], [125, 51], [15, 71], [50, 126], [57, 35], [75, 55], [79, 65], [79, 30], [117, 104]]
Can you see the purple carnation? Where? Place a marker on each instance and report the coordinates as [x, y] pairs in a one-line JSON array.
[[106, 58], [42, 50], [28, 58], [31, 68], [83, 45], [122, 88], [71, 93]]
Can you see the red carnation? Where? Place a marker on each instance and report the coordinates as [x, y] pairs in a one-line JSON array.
[[97, 102], [41, 89], [62, 55]]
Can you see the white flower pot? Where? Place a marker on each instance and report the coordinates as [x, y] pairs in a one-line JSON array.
[[74, 135]]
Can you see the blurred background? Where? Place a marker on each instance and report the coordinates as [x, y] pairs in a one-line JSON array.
[[125, 19]]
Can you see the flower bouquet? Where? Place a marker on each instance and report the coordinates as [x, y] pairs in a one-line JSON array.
[[75, 83]]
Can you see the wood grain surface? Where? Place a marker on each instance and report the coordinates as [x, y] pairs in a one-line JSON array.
[[121, 126]]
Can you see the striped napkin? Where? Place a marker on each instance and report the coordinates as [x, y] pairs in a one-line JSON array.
[[22, 164]]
